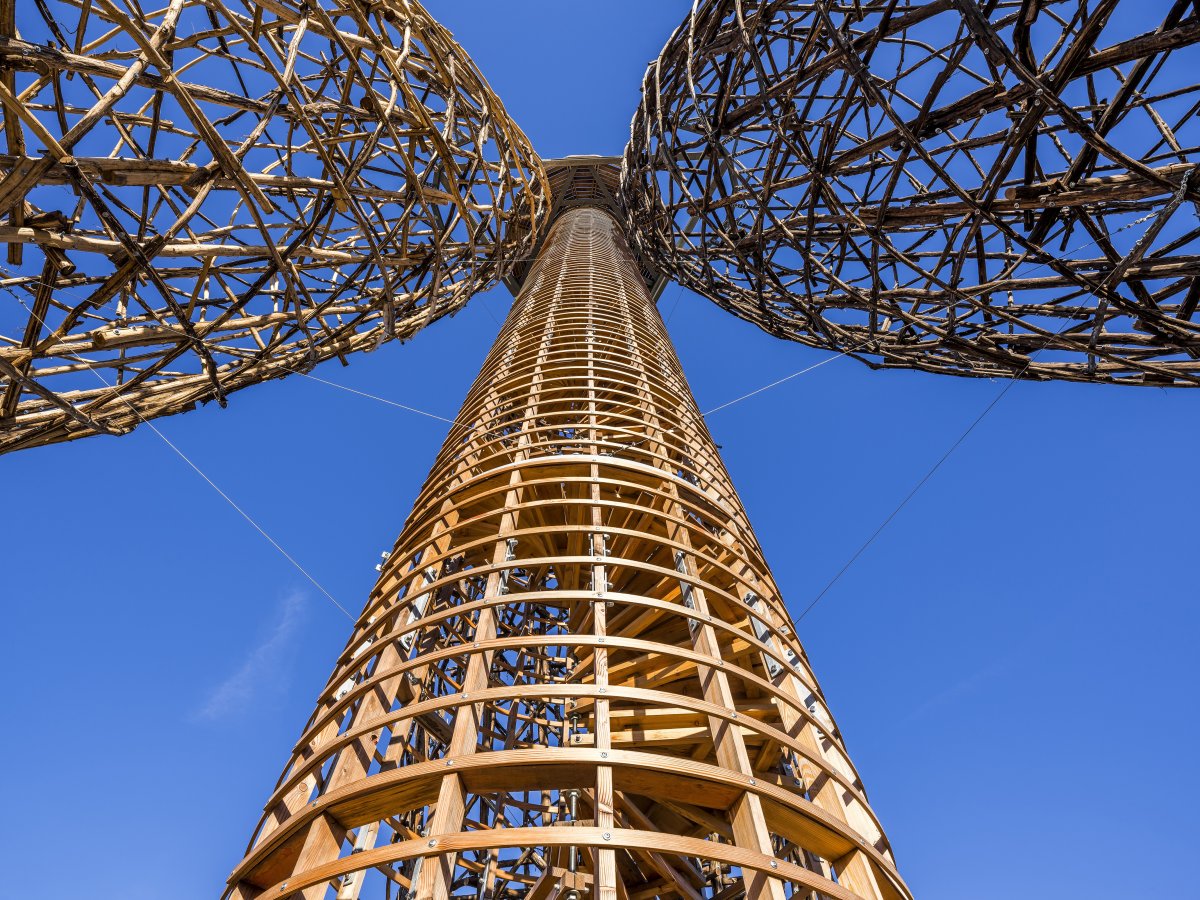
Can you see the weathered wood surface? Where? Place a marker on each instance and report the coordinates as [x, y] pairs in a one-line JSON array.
[[219, 192], [992, 189], [576, 614]]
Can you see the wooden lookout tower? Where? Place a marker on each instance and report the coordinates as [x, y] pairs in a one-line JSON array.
[[575, 676]]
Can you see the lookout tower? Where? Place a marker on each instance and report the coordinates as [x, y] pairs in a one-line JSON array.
[[576, 676]]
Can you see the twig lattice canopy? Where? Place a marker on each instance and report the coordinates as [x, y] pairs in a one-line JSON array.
[[218, 192], [575, 672], [991, 189]]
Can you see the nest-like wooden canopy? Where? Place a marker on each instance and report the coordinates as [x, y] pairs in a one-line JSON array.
[[1003, 188], [209, 193]]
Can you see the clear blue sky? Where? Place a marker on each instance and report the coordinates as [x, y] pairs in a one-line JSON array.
[[1012, 662]]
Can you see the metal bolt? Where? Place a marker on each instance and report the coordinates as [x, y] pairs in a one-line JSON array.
[[607, 836], [602, 690], [282, 887], [432, 843], [602, 640], [774, 865], [449, 762], [752, 781], [604, 754]]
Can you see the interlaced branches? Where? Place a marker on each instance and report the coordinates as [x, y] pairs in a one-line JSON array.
[[204, 195], [983, 189]]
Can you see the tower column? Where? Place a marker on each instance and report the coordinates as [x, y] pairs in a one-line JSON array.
[[575, 676]]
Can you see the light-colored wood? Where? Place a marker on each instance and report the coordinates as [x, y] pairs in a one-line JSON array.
[[575, 672]]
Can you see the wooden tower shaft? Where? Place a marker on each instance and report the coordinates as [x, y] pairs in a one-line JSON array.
[[575, 672]]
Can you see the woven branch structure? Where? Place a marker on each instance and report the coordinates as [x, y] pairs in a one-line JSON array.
[[217, 192], [575, 675], [995, 189]]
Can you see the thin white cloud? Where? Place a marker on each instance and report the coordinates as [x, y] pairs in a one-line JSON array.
[[963, 687], [264, 667]]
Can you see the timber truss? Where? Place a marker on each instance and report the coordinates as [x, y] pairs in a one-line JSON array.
[[575, 674]]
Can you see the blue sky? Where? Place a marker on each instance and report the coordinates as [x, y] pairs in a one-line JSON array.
[[1012, 662]]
